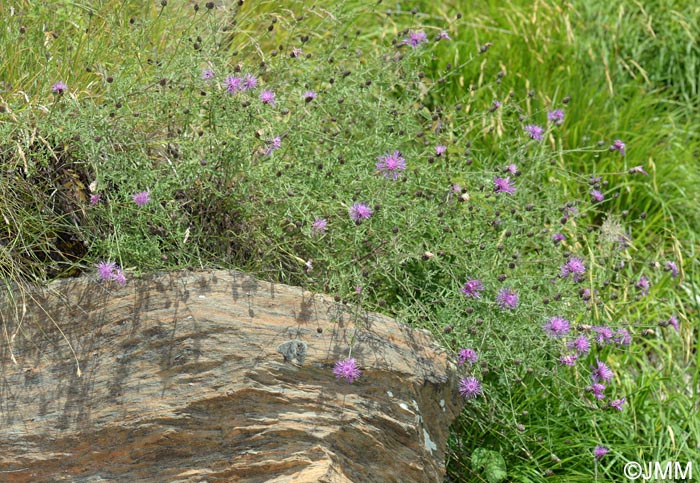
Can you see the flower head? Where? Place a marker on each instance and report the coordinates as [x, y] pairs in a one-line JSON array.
[[141, 198], [467, 355], [671, 267], [415, 38], [573, 267], [597, 196], [94, 199], [618, 145], [597, 389], [469, 387], [119, 276], [309, 96], [556, 116], [106, 270], [502, 185], [471, 288], [439, 150], [234, 84], [535, 132], [59, 87], [391, 164], [443, 36], [568, 360], [673, 322], [296, 52], [604, 335], [623, 337], [558, 237], [267, 97], [600, 451], [507, 299], [617, 403], [347, 369], [359, 212], [207, 74], [601, 372], [319, 226], [638, 169], [580, 345], [643, 285], [249, 82], [273, 145], [557, 327]]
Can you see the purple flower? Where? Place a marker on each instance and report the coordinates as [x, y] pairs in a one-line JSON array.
[[119, 277], [347, 369], [467, 355], [296, 52], [439, 150], [597, 389], [617, 403], [507, 299], [391, 164], [234, 84], [557, 327], [643, 285], [249, 82], [358, 289], [207, 74], [601, 372], [580, 345], [469, 387], [495, 105], [556, 116], [106, 270], [502, 185], [512, 169], [273, 145], [623, 337], [573, 267], [535, 132], [638, 169], [267, 97], [59, 87], [94, 199], [558, 237], [568, 360], [597, 196], [671, 267], [319, 226], [415, 38], [443, 36], [309, 96], [673, 321], [618, 145], [600, 451], [359, 212], [141, 198], [456, 189], [604, 334], [471, 288]]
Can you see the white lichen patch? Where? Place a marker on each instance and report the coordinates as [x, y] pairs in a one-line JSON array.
[[390, 394], [442, 405], [429, 445]]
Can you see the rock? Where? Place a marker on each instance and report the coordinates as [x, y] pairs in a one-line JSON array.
[[215, 377]]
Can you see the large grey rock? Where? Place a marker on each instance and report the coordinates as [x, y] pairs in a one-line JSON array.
[[215, 376]]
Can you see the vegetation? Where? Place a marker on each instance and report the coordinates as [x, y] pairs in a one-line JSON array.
[[549, 191]]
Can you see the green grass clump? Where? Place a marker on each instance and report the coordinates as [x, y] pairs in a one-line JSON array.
[[157, 102]]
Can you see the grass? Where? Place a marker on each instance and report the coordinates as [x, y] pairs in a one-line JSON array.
[[138, 115]]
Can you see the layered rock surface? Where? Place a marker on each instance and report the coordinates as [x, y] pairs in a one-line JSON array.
[[214, 377]]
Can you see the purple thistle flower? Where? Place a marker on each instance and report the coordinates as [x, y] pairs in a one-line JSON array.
[[309, 96], [319, 226], [580, 345], [556, 116], [673, 322], [597, 389], [557, 327], [671, 267], [535, 132], [638, 169], [573, 267], [347, 369], [502, 185], [600, 451], [618, 145], [469, 387], [467, 355], [597, 196], [94, 199], [358, 289], [443, 35], [568, 360], [601, 372], [604, 334], [495, 105], [273, 145], [141, 198], [234, 84], [471, 288], [59, 87], [507, 299], [296, 52], [512, 169], [439, 150], [359, 212], [456, 189], [391, 164], [267, 97], [415, 38], [643, 285], [106, 270], [558, 237], [249, 82], [207, 74], [623, 337], [119, 277], [617, 403]]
